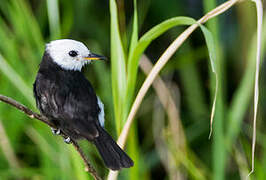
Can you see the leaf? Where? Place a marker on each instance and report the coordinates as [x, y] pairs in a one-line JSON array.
[[211, 46], [211, 49], [133, 44], [259, 7], [16, 80], [118, 68], [134, 36], [53, 16], [152, 34], [143, 43]]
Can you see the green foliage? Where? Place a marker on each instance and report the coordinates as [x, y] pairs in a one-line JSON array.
[[25, 26], [143, 43], [117, 66]]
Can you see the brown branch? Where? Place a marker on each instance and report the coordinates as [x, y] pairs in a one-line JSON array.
[[34, 115], [88, 166], [26, 110]]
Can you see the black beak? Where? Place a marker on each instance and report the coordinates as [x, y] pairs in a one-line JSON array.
[[92, 56]]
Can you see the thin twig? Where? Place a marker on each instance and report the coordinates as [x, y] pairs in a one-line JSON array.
[[34, 115], [88, 166], [26, 110]]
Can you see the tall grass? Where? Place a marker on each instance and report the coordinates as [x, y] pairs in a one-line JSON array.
[[26, 26]]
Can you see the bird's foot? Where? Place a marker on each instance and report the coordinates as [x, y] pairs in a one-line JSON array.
[[67, 140], [55, 131]]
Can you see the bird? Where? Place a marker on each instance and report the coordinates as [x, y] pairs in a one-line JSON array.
[[65, 96]]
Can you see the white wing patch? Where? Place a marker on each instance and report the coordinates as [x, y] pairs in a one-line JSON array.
[[101, 114]]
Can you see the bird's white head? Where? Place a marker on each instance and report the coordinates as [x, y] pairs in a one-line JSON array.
[[70, 54]]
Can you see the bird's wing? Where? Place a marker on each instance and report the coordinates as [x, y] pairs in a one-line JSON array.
[[73, 107], [81, 110]]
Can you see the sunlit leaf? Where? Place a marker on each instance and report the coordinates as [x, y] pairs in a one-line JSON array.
[[143, 43], [118, 67]]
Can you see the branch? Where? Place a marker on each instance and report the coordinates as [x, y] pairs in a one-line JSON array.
[[34, 115]]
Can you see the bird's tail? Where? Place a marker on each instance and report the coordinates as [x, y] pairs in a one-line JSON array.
[[113, 156]]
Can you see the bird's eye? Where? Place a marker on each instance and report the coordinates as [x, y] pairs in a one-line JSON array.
[[73, 53]]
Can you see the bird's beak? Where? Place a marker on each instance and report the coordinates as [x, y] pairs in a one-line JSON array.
[[92, 56]]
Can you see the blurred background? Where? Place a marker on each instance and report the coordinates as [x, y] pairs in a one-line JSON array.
[[163, 145]]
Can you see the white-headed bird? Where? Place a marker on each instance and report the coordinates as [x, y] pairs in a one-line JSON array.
[[68, 100]]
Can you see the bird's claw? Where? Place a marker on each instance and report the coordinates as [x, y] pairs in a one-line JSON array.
[[55, 131], [67, 140], [58, 132]]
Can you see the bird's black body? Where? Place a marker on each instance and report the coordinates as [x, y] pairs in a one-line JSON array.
[[67, 98]]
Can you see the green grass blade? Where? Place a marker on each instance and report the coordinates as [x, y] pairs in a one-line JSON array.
[[243, 94], [118, 67], [133, 145], [134, 153], [16, 80], [133, 44], [219, 150], [53, 16], [134, 36], [143, 43], [211, 49], [22, 16]]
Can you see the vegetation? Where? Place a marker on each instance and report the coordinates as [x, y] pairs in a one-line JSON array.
[[169, 137]]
